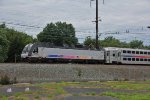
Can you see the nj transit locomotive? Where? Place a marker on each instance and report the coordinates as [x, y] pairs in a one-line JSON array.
[[45, 52]]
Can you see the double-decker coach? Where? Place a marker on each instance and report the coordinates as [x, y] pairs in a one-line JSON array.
[[127, 55]]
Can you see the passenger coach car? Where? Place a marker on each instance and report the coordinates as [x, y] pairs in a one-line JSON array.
[[127, 56]]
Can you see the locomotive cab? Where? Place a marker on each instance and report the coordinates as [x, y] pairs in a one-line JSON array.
[[25, 51]]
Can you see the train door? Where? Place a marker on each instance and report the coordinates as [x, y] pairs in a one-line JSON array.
[[107, 56], [119, 57], [111, 56], [114, 56]]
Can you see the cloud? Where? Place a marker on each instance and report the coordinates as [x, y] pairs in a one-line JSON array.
[[115, 14]]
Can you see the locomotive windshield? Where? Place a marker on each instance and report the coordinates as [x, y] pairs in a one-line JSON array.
[[27, 48]]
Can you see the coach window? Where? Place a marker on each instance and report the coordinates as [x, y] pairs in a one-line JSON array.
[[141, 59], [148, 53], [107, 54], [129, 51], [145, 53], [137, 59], [129, 59], [137, 52], [124, 51], [141, 52], [124, 58], [133, 52], [133, 59], [145, 59], [148, 59], [113, 55]]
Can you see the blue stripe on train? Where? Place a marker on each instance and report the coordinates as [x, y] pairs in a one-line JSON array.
[[55, 56]]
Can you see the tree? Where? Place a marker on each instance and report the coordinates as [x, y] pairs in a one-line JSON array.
[[136, 44], [3, 48], [90, 42], [110, 42], [3, 25], [107, 42], [17, 41], [58, 34]]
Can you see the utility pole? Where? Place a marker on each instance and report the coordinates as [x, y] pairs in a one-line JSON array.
[[97, 46], [97, 20]]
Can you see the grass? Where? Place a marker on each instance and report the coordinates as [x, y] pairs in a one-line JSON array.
[[18, 94], [56, 88], [128, 96], [90, 93], [21, 98], [129, 85], [48, 91], [37, 97], [4, 98]]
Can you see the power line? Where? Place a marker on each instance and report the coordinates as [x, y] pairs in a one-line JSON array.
[[23, 25], [83, 31]]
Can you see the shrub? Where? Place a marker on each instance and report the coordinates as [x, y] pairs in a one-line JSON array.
[[14, 80], [5, 80]]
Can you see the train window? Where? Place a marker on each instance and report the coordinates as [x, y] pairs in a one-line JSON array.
[[141, 59], [148, 53], [133, 52], [129, 51], [145, 59], [124, 58], [145, 53], [141, 52], [108, 53], [137, 52], [124, 51], [129, 59], [133, 59], [148, 59], [113, 55], [119, 54], [137, 59], [35, 50]]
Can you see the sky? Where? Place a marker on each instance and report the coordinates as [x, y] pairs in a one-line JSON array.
[[116, 16]]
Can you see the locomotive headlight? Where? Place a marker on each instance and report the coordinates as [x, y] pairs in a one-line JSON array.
[[24, 55]]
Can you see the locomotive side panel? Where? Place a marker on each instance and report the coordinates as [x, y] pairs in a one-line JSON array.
[[53, 53]]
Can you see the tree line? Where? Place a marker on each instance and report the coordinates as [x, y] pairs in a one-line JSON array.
[[113, 42], [12, 42]]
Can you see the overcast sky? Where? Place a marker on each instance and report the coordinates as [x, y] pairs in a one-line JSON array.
[[116, 15]]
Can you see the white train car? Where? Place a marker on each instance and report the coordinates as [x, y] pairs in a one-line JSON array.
[[127, 56], [40, 51]]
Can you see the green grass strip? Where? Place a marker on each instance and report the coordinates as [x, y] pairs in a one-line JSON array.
[[128, 96]]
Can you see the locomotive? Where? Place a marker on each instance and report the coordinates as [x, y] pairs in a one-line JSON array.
[[46, 52]]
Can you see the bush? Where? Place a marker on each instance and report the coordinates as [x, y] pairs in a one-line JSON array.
[[14, 80], [5, 80]]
